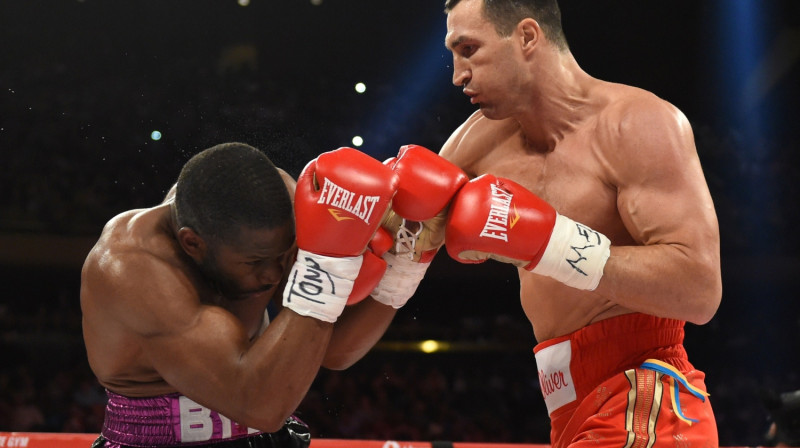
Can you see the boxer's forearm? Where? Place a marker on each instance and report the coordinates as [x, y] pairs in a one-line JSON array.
[[358, 329], [663, 280]]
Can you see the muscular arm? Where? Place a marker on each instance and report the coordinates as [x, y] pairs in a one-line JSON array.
[[668, 262], [358, 329], [665, 205], [203, 351]]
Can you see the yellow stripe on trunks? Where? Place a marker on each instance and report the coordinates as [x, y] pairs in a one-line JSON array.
[[675, 378]]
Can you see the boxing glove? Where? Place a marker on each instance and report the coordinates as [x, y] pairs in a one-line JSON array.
[[427, 183], [340, 200], [496, 218], [373, 266]]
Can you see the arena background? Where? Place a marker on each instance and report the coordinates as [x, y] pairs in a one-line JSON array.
[[83, 85]]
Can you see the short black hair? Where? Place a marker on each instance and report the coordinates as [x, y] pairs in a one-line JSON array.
[[228, 187], [506, 14]]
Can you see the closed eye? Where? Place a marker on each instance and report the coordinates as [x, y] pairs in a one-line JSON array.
[[467, 50], [280, 257]]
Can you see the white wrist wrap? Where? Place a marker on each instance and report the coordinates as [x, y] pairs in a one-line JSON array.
[[400, 281], [575, 255], [319, 286]]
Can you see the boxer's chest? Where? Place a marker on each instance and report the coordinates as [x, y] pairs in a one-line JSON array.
[[571, 177]]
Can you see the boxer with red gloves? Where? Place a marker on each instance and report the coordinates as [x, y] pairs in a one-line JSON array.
[[340, 200], [174, 297], [496, 218], [427, 183], [592, 162]]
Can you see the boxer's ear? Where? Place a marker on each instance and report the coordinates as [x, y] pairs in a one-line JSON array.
[[529, 34], [192, 243]]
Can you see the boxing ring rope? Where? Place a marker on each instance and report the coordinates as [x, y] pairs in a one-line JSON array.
[[74, 440]]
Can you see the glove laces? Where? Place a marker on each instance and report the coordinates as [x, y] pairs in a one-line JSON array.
[[406, 240]]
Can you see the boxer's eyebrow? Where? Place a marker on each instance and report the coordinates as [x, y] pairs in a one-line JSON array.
[[267, 252], [454, 43]]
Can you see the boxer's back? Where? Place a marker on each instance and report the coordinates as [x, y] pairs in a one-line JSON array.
[[129, 242]]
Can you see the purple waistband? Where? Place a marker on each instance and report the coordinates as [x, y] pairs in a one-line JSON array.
[[166, 420]]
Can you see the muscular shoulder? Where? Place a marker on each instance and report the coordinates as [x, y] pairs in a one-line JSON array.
[[135, 231], [637, 129], [115, 240], [635, 117], [124, 278], [469, 142]]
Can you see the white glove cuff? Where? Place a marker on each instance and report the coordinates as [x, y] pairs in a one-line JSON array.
[[400, 281], [575, 255], [319, 286]]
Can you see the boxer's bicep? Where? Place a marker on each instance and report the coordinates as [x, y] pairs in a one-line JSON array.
[[180, 336], [201, 356], [663, 197], [672, 270]]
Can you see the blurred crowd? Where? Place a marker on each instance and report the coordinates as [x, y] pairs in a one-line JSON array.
[[77, 147], [77, 150]]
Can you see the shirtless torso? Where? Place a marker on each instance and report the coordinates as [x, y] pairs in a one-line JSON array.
[[594, 172], [168, 313], [146, 236], [616, 159]]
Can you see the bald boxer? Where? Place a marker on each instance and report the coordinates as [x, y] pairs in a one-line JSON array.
[[174, 298], [595, 192]]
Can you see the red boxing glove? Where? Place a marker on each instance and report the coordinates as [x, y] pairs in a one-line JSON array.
[[427, 184], [372, 268], [340, 200], [499, 219]]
